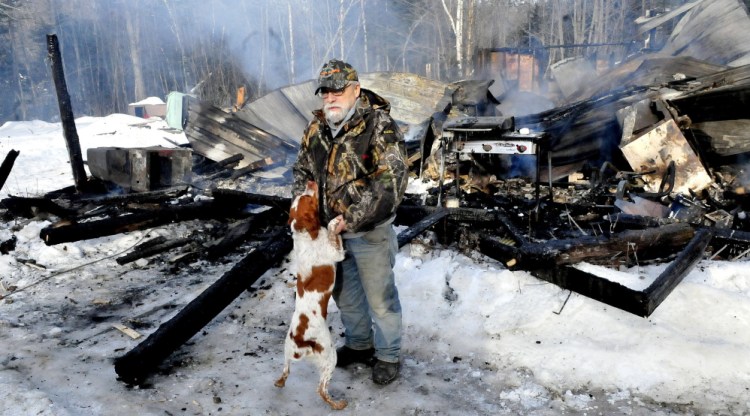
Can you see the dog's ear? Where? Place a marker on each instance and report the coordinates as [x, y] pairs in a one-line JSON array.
[[313, 224], [292, 211]]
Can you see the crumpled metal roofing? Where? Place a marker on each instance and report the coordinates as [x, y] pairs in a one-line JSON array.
[[286, 111]]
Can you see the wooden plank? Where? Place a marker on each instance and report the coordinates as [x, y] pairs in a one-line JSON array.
[[127, 331]]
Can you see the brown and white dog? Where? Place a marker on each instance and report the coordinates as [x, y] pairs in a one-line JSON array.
[[315, 253]]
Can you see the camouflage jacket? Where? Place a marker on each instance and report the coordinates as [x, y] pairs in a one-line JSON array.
[[362, 172]]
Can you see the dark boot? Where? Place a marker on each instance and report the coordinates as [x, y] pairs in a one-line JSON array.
[[346, 356], [384, 372]]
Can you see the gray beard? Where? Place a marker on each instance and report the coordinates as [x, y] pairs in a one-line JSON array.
[[334, 118]]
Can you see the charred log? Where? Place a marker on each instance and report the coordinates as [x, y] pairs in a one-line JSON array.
[[245, 229], [643, 244], [239, 198], [153, 250], [64, 232], [7, 165], [407, 235], [137, 364], [259, 164], [160, 195], [31, 207]]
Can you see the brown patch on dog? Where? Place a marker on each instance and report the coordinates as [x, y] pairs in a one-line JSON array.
[[299, 335], [305, 214]]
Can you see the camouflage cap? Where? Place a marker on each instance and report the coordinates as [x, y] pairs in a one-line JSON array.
[[335, 75]]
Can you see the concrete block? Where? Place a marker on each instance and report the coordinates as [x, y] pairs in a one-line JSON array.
[[141, 169]]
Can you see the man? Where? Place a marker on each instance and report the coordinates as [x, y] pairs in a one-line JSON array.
[[355, 152]]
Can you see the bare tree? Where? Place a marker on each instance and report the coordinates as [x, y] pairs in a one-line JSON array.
[[456, 20], [132, 23], [291, 42]]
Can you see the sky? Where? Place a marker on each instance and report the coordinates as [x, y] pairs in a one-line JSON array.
[[478, 339]]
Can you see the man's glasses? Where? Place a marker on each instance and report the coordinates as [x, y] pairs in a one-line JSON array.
[[336, 93]]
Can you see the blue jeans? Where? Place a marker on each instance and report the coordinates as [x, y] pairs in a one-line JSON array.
[[365, 293]]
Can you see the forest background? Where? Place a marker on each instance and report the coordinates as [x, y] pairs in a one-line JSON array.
[[117, 52]]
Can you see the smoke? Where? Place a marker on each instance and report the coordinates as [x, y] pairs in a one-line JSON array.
[[286, 42], [112, 50]]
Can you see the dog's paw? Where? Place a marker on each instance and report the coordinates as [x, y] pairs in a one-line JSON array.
[[333, 224]]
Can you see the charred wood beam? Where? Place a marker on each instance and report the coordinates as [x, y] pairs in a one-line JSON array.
[[242, 231], [136, 197], [405, 214], [641, 303], [7, 165], [137, 364], [239, 198], [677, 270], [230, 161], [411, 214], [66, 113], [30, 207], [153, 250], [723, 235], [223, 167], [511, 228], [252, 167], [645, 244], [150, 243], [595, 287], [498, 249], [64, 232], [407, 235]]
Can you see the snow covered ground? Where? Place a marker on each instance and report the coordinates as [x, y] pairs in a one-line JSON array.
[[478, 339]]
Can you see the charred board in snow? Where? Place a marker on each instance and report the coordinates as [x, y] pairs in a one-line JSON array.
[[136, 365]]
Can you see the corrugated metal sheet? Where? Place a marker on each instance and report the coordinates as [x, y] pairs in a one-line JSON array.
[[717, 31], [285, 112], [218, 135]]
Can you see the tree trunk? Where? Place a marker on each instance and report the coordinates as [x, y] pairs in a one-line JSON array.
[[292, 76], [134, 36]]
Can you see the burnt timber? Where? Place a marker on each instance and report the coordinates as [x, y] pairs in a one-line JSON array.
[[138, 363]]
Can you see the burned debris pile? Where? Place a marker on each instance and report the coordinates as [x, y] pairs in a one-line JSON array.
[[630, 177], [645, 165]]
